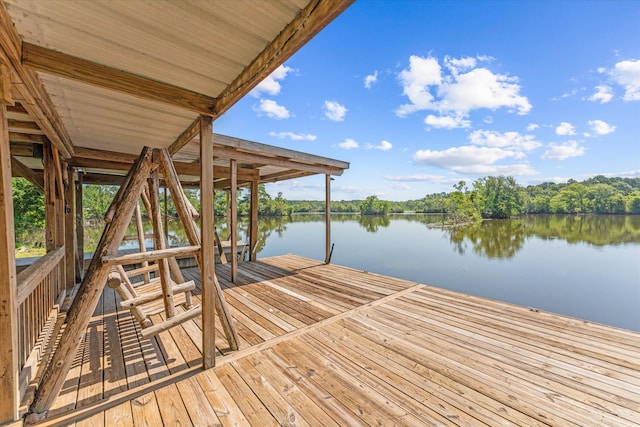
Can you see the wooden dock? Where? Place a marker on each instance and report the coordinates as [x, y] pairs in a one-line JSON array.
[[327, 345]]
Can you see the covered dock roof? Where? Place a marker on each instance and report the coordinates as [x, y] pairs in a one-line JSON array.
[[129, 74]]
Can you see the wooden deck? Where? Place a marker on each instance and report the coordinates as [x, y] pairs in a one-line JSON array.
[[327, 345]]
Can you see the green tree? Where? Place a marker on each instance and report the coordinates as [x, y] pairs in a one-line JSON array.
[[498, 197], [374, 206], [28, 211], [96, 199]]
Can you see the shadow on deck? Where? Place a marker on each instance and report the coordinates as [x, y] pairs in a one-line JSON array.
[[328, 345]]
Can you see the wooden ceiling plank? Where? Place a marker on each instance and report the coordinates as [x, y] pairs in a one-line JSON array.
[[60, 64], [29, 88], [314, 17]]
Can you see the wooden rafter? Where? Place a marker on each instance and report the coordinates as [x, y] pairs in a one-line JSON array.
[[60, 64], [20, 169], [314, 17]]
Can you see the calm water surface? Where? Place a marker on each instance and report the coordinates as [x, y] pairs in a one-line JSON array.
[[581, 266], [586, 267]]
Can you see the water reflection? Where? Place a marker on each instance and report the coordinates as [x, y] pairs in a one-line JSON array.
[[504, 238], [500, 239]]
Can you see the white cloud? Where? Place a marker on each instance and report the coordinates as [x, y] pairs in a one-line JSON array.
[[447, 122], [460, 90], [627, 74], [272, 109], [401, 187], [480, 88], [603, 94], [422, 73], [348, 144], [532, 126], [383, 146], [370, 79], [464, 159], [457, 65], [600, 127], [334, 111], [416, 178], [271, 84], [507, 140], [563, 151], [294, 136], [565, 129]]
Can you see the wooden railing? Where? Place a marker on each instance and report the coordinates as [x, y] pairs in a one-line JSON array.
[[40, 290]]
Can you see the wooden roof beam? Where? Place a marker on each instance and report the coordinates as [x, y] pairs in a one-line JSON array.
[[99, 159], [229, 153], [19, 169], [314, 17], [60, 64]]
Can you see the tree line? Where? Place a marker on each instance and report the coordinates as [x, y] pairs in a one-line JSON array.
[[488, 197]]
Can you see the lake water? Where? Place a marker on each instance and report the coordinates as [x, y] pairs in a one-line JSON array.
[[586, 267], [581, 266]]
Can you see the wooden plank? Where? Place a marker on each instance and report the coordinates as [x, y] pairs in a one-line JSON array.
[[136, 258], [313, 413], [59, 64], [197, 404], [92, 368], [90, 290], [443, 394], [220, 400], [9, 365], [280, 409], [250, 405], [233, 218], [172, 408]]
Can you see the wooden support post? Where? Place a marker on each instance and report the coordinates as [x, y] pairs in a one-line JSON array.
[[142, 246], [253, 230], [90, 290], [79, 228], [206, 264], [159, 241], [191, 229], [9, 365], [54, 208], [327, 211], [233, 218], [70, 230], [49, 197]]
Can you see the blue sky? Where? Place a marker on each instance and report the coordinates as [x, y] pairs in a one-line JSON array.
[[418, 95]]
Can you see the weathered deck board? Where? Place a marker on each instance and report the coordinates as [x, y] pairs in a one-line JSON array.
[[329, 345]]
